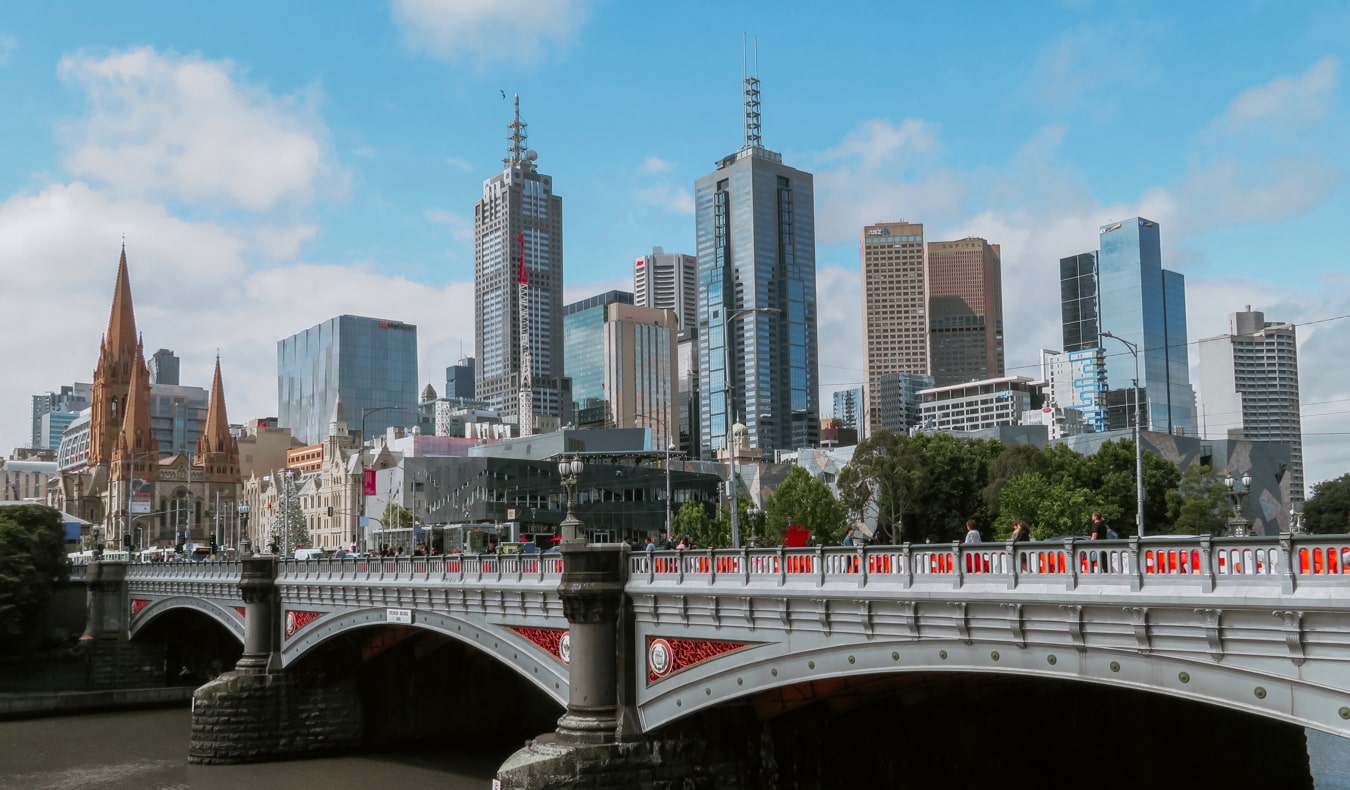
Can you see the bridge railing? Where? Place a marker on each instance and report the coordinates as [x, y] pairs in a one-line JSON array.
[[214, 570], [1211, 562], [450, 568]]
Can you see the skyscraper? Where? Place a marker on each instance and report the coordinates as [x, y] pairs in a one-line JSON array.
[[1145, 304], [517, 229], [1249, 387], [668, 281], [1079, 301], [894, 305], [755, 221], [584, 355], [848, 407], [164, 367], [965, 311], [459, 379], [370, 363]]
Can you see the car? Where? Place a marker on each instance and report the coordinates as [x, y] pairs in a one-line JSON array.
[[309, 554]]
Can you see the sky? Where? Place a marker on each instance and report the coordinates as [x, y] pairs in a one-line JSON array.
[[274, 164]]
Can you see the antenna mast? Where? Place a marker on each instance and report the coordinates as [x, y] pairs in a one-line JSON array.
[[752, 139]]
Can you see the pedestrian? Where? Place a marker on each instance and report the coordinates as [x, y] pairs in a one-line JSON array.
[[684, 543], [972, 534], [848, 537], [1097, 529], [651, 544], [1020, 532]]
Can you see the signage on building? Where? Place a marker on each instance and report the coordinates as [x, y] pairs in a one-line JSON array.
[[404, 616], [140, 496], [879, 232]]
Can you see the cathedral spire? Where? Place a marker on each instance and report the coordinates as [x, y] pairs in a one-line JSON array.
[[121, 335], [136, 451], [118, 360], [217, 451]]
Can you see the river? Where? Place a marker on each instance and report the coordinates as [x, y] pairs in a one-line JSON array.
[[148, 749]]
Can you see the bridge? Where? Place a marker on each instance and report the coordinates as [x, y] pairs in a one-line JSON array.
[[633, 643]]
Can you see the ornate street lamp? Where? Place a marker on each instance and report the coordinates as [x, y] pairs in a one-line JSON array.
[[1237, 523], [754, 513], [570, 470], [1296, 522], [245, 545]]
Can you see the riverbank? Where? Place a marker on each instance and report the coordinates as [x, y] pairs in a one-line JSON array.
[[39, 704]]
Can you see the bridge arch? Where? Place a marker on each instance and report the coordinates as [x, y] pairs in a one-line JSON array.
[[231, 620], [509, 649], [1271, 688]]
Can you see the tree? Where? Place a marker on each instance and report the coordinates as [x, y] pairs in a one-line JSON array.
[[1051, 509], [1198, 505], [881, 482], [1014, 461], [705, 530], [396, 516], [1329, 508], [32, 564], [802, 499], [291, 530]]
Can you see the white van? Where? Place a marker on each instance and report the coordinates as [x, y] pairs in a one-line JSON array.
[[309, 554]]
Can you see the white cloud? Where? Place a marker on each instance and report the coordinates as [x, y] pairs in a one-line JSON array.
[[654, 164], [1287, 103], [459, 163], [667, 196], [1093, 59], [183, 128], [879, 142], [461, 228], [488, 30], [8, 46]]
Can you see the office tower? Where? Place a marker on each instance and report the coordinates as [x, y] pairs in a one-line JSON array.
[[53, 412], [1078, 301], [687, 365], [848, 406], [584, 356], [517, 229], [668, 281], [1145, 304], [965, 311], [1249, 387], [1077, 380], [370, 363], [641, 370], [177, 417], [894, 303], [755, 219], [898, 401], [459, 379], [164, 367]]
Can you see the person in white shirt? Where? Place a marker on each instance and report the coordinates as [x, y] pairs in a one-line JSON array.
[[972, 534]]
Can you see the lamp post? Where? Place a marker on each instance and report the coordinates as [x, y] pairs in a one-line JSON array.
[[1238, 523], [1296, 521], [570, 470], [357, 536], [245, 545], [754, 513], [729, 436], [1138, 446]]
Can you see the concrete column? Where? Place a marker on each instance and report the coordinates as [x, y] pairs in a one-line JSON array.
[[258, 586], [592, 592], [107, 601]]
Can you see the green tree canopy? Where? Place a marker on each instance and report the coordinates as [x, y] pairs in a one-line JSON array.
[[802, 499], [706, 531], [1329, 508], [32, 564], [1198, 505]]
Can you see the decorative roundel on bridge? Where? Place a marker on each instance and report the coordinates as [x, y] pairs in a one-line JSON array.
[[660, 657], [297, 620], [565, 647]]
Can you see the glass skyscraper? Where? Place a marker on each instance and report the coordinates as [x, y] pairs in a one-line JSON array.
[[584, 354], [370, 362], [755, 220], [1145, 304]]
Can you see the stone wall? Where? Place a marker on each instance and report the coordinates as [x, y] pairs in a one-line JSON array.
[[240, 718]]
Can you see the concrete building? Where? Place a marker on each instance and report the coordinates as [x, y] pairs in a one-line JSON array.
[[668, 281], [263, 447], [977, 405], [894, 309], [518, 240], [755, 219], [367, 363], [642, 370], [25, 481], [1249, 388], [53, 412], [965, 310], [1077, 380]]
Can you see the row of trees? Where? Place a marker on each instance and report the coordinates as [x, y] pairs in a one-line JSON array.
[[32, 564], [923, 488]]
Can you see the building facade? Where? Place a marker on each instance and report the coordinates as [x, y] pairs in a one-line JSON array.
[[1079, 301], [459, 379], [965, 310], [164, 367], [668, 281], [977, 405], [518, 250], [53, 412], [1077, 380], [848, 408], [1249, 387], [894, 305], [368, 363], [757, 336], [899, 401], [641, 371], [584, 355]]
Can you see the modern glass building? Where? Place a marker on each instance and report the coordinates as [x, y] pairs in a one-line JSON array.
[[459, 379], [584, 354], [848, 407], [1078, 301], [1145, 304], [177, 417], [370, 363], [755, 219]]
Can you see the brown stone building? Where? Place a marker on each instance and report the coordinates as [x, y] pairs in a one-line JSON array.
[[965, 311]]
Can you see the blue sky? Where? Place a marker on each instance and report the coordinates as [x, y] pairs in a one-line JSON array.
[[274, 164]]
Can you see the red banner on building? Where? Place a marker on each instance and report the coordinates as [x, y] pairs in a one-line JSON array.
[[368, 482]]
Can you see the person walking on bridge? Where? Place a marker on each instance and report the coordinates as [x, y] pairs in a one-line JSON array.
[[972, 534]]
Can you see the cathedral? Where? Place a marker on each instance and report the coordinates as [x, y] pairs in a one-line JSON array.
[[135, 496]]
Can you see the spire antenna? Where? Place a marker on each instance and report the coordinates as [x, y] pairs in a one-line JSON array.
[[518, 138], [751, 81]]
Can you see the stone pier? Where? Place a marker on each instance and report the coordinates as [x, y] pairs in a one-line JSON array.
[[113, 661]]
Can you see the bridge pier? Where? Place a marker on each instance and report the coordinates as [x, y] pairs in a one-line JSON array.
[[258, 712], [113, 661]]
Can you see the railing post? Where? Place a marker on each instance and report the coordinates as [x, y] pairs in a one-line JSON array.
[[745, 566], [1072, 563], [820, 566], [907, 562], [1137, 567], [960, 563], [1288, 581], [1014, 565], [1206, 563], [782, 566], [864, 570]]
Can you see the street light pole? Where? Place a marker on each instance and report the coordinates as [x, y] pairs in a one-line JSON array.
[[1138, 446], [1238, 523], [729, 436]]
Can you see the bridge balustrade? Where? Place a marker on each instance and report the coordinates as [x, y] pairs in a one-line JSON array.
[[214, 570], [454, 568]]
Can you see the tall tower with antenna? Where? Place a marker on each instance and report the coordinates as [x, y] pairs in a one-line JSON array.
[[756, 249], [518, 276]]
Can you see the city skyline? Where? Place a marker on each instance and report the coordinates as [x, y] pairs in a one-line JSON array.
[[267, 181]]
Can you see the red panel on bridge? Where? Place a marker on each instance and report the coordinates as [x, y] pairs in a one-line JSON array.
[[557, 641], [668, 656], [137, 604]]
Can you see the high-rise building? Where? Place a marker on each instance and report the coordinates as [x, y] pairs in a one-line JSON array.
[[1077, 380], [1145, 304], [53, 412], [756, 226], [164, 367], [899, 401], [1249, 387], [370, 363], [641, 370], [518, 249], [965, 310], [584, 356], [895, 304], [1079, 301], [848, 407], [459, 379], [668, 281]]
